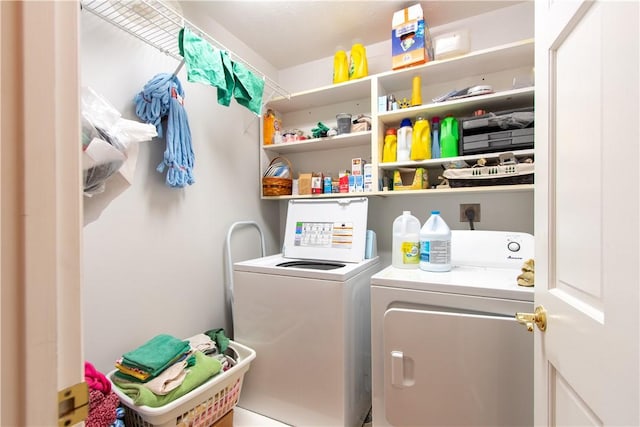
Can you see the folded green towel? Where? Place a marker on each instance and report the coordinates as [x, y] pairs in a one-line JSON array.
[[248, 88], [204, 368], [156, 354]]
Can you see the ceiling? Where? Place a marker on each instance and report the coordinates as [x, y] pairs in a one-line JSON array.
[[289, 33]]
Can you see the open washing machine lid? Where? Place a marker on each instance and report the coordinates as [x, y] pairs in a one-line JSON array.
[[326, 229]]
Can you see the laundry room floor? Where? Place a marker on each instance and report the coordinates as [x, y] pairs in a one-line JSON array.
[[244, 418]]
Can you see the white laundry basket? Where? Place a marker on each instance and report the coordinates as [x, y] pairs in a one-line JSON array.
[[202, 406]]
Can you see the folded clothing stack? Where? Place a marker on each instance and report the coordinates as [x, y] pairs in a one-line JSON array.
[[166, 368], [153, 357]]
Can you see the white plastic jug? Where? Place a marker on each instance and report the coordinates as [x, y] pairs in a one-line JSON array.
[[406, 241], [405, 134], [435, 244]]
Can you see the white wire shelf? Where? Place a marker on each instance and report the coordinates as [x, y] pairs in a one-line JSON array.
[[158, 25]]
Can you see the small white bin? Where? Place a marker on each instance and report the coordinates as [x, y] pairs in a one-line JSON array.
[[200, 407]]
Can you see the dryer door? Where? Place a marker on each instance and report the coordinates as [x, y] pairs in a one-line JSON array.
[[443, 368]]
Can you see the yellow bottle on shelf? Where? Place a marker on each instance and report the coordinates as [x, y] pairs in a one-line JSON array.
[[390, 147], [340, 67], [421, 141], [358, 67]]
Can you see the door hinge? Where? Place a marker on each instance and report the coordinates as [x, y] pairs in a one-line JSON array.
[[73, 404]]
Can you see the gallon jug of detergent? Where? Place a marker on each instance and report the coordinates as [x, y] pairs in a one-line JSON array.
[[406, 241], [340, 67], [358, 67], [405, 135], [435, 244], [390, 147], [449, 137], [421, 140]]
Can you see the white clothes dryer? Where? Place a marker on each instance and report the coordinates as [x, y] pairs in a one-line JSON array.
[[446, 348], [306, 313]]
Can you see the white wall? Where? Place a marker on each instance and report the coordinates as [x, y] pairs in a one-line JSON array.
[[504, 25], [153, 259]]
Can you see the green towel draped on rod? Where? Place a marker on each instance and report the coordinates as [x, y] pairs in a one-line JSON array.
[[214, 67]]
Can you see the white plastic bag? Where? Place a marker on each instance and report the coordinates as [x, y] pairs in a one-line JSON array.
[[107, 139]]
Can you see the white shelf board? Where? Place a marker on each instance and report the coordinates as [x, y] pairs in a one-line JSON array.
[[319, 144], [445, 160], [512, 55], [519, 188], [496, 101], [326, 95]]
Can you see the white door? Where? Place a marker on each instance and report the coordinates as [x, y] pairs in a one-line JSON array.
[[586, 213], [41, 210]]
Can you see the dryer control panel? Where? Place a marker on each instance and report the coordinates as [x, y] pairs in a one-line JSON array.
[[497, 249]]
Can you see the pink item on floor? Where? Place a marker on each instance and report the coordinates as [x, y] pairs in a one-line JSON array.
[[102, 408]]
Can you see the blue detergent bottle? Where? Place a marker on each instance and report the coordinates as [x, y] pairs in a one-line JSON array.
[[435, 139]]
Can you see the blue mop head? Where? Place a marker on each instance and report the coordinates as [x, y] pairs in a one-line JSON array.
[[163, 96]]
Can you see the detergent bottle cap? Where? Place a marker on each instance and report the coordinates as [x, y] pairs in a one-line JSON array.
[[391, 131], [435, 119], [405, 122]]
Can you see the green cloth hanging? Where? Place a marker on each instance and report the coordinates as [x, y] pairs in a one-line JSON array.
[[204, 64], [214, 67], [226, 93], [248, 88]]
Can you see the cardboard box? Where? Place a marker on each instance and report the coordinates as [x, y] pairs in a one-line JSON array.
[[382, 103], [343, 181], [317, 183], [410, 38], [368, 178], [225, 421], [304, 183], [410, 179], [357, 166]]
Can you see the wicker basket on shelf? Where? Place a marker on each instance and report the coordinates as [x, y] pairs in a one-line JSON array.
[[276, 186]]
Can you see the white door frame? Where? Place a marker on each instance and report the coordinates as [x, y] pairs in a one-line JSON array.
[[41, 209]]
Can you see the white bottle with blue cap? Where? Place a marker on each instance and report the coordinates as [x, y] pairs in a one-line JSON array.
[[404, 137], [435, 244]]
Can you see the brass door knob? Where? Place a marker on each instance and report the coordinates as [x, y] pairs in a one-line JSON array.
[[539, 317]]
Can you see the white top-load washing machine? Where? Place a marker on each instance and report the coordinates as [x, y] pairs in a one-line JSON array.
[[306, 313], [446, 348]]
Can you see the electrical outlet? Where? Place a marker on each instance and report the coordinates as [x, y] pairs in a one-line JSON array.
[[463, 211]]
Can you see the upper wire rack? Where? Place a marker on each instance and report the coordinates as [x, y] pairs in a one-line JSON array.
[[158, 25]]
